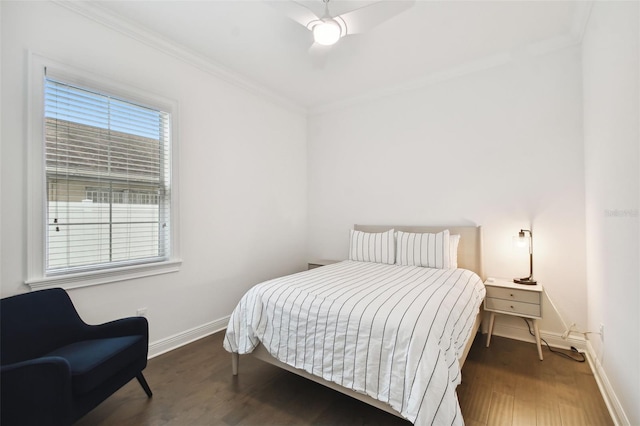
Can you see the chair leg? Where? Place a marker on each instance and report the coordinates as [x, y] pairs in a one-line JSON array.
[[144, 384]]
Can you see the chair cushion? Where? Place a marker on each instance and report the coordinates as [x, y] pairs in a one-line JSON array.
[[94, 361]]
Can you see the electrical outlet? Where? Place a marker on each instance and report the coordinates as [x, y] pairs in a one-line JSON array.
[[141, 312], [601, 332]]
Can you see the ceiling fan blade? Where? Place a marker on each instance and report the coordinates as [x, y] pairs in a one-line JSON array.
[[296, 11], [367, 17]]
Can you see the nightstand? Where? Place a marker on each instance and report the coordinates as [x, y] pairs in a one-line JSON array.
[[508, 298], [320, 262]]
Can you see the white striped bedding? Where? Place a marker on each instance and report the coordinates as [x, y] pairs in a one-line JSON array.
[[392, 332]]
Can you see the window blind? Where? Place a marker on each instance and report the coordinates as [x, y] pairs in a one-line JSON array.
[[107, 178]]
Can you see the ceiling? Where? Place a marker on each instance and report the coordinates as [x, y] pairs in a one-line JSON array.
[[254, 42]]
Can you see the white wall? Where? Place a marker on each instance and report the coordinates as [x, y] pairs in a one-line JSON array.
[[501, 148], [611, 117], [242, 187]]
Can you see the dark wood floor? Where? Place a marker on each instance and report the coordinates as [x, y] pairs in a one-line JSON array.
[[506, 384], [502, 385]]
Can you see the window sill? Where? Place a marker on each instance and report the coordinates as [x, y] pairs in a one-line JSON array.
[[86, 279]]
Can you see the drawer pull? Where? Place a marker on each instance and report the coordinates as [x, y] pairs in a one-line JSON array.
[[511, 295], [512, 307]]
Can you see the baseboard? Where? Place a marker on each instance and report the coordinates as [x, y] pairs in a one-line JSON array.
[[170, 343], [553, 339], [608, 394]]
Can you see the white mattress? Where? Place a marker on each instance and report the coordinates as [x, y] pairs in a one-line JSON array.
[[392, 332]]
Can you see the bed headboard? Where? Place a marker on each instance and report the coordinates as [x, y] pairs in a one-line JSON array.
[[469, 248]]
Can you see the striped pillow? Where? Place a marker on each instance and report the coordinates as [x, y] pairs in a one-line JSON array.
[[373, 247], [427, 250]]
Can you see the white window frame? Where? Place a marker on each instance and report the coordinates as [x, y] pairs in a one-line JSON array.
[[36, 180]]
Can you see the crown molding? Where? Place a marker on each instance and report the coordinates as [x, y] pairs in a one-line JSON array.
[[95, 12], [117, 23], [488, 62], [581, 19], [417, 84]]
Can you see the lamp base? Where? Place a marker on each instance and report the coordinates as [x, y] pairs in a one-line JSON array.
[[525, 281]]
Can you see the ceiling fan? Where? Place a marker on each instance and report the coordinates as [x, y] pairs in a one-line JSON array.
[[328, 29]]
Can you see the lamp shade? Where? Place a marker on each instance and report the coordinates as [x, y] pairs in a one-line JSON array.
[[327, 32], [521, 241]]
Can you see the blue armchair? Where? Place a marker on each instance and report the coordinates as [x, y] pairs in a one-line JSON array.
[[55, 368]]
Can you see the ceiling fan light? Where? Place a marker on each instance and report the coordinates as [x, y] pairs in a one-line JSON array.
[[327, 32]]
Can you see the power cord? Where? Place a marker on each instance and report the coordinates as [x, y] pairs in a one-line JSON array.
[[582, 358]]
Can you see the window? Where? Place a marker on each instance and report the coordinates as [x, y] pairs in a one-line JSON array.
[[107, 184]]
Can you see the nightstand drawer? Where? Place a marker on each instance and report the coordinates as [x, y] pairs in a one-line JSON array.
[[513, 294], [517, 308]]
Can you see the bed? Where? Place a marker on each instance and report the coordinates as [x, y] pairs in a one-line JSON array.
[[382, 327]]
